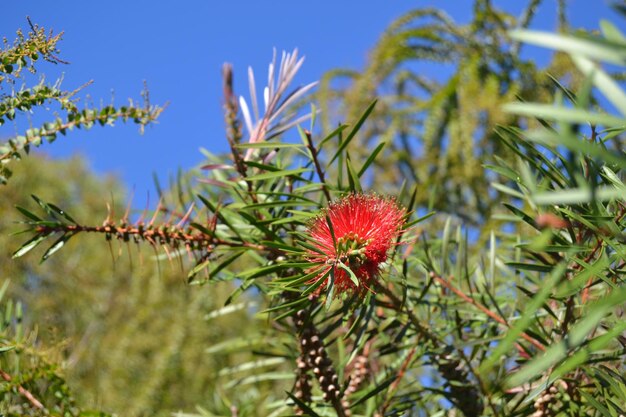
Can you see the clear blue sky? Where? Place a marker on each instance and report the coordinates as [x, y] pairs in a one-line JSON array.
[[178, 48]]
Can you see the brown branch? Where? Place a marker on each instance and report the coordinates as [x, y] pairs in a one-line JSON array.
[[451, 369], [422, 329], [394, 385], [597, 247], [154, 235], [23, 391], [318, 167], [484, 309], [233, 127]]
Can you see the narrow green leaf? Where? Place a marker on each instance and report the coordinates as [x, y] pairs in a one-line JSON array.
[[576, 336], [202, 264], [611, 89], [576, 284], [330, 293], [611, 32], [563, 114], [371, 158], [29, 245], [600, 49], [445, 240], [527, 317], [578, 195], [334, 133], [379, 388], [220, 215], [43, 205], [596, 404], [56, 246], [353, 178], [301, 405], [6, 348], [329, 223], [353, 132], [530, 267], [27, 213], [278, 174], [61, 213], [353, 277]]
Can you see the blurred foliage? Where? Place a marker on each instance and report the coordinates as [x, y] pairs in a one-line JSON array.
[[441, 86], [125, 333], [122, 330], [509, 302]]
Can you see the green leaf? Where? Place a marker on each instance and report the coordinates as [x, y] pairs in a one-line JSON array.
[[202, 264], [56, 246], [584, 354], [371, 158], [29, 245], [220, 215], [596, 404], [61, 213], [530, 267], [575, 284], [527, 317], [578, 195], [334, 133], [330, 293], [277, 174], [551, 138], [611, 89], [576, 336], [508, 190], [27, 213], [44, 206], [305, 408], [353, 277], [6, 348], [599, 49], [563, 114], [353, 178], [611, 32], [379, 388], [344, 144]]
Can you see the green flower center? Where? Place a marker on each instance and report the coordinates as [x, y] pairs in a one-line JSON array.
[[351, 250]]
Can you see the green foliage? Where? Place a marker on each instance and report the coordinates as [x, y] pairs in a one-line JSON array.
[[13, 58], [92, 309], [509, 302], [439, 130]]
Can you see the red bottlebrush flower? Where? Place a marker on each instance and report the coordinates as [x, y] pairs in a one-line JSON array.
[[363, 227]]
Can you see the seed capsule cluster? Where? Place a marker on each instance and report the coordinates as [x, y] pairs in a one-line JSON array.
[[314, 358], [544, 404], [302, 389], [463, 393], [358, 373]]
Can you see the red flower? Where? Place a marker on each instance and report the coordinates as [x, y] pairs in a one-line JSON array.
[[363, 229]]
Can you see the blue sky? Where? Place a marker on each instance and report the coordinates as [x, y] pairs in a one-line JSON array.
[[178, 49]]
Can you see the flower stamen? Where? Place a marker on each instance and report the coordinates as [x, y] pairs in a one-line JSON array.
[[353, 236]]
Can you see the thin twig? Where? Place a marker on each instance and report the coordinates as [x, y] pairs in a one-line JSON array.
[[153, 235], [318, 167], [25, 393], [397, 305], [484, 309], [394, 385]]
